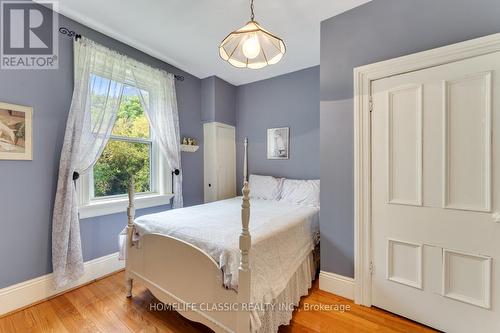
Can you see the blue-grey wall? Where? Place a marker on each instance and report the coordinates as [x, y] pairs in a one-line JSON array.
[[218, 101], [27, 188], [290, 100], [378, 30], [225, 102], [208, 99]]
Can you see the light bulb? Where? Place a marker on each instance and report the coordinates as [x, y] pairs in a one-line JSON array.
[[251, 47]]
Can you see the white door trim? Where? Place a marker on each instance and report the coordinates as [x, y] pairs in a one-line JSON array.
[[363, 76]]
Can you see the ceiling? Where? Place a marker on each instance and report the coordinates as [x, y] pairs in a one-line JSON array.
[[186, 33]]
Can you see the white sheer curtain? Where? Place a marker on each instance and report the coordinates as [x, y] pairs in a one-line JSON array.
[[160, 104], [99, 77], [90, 121]]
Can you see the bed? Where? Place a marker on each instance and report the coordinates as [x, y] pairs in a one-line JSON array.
[[192, 259]]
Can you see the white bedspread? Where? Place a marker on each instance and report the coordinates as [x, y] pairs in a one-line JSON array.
[[283, 235]]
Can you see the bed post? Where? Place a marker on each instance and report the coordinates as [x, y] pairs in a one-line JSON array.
[[245, 244], [130, 228]]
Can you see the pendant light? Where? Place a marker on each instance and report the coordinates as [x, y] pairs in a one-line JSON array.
[[252, 46]]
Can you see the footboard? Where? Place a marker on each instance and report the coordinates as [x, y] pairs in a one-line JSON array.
[[183, 276]]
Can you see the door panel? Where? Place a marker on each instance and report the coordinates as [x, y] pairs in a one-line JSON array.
[[467, 109], [435, 185], [219, 155], [467, 277], [226, 163], [404, 263], [404, 145]]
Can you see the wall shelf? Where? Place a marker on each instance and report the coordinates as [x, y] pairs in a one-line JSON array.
[[189, 148]]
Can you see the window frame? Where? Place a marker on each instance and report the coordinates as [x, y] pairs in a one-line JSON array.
[[153, 172], [160, 183]]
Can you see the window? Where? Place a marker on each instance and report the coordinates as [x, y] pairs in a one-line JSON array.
[[131, 149]]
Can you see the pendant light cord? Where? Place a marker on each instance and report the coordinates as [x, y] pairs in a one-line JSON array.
[[251, 10]]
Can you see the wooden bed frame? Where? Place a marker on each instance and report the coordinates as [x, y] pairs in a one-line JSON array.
[[181, 274]]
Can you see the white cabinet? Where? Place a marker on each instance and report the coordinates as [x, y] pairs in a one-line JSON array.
[[219, 156]]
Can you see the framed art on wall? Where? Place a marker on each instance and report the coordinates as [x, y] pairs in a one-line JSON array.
[[278, 142], [15, 132]]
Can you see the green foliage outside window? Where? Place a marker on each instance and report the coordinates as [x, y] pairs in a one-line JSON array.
[[122, 158], [131, 120]]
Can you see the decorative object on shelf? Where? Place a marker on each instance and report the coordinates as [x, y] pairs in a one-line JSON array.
[[278, 143], [189, 141], [189, 148], [252, 46], [15, 132], [189, 145]]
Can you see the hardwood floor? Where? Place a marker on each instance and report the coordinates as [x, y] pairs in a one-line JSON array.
[[102, 307]]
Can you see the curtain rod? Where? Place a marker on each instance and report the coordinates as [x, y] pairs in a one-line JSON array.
[[77, 36]]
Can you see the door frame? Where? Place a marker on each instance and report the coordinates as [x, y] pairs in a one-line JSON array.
[[363, 77]]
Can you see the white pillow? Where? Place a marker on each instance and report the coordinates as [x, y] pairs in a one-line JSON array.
[[264, 187], [300, 192]]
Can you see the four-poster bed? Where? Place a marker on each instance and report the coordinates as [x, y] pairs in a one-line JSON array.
[[191, 258], [177, 272]]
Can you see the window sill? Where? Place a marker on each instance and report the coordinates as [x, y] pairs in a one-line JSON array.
[[119, 205]]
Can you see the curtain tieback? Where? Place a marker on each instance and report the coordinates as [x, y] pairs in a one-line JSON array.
[[175, 172]]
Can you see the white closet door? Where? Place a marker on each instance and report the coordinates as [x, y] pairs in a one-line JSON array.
[[219, 161], [435, 191], [226, 163]]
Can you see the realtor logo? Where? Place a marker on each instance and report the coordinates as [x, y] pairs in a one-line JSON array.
[[29, 35]]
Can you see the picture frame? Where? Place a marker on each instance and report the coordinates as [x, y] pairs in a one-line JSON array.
[[278, 143], [16, 132]]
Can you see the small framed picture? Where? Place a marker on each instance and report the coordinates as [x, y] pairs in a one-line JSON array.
[[278, 143], [15, 132]]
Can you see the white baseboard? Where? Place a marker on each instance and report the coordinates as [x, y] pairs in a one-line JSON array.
[[337, 284], [35, 290]]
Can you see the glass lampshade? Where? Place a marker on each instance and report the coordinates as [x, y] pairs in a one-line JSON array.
[[252, 46]]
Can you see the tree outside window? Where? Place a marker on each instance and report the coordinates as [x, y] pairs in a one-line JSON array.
[[128, 151]]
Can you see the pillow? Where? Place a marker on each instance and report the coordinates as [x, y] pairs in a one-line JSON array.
[[264, 187], [300, 192]]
